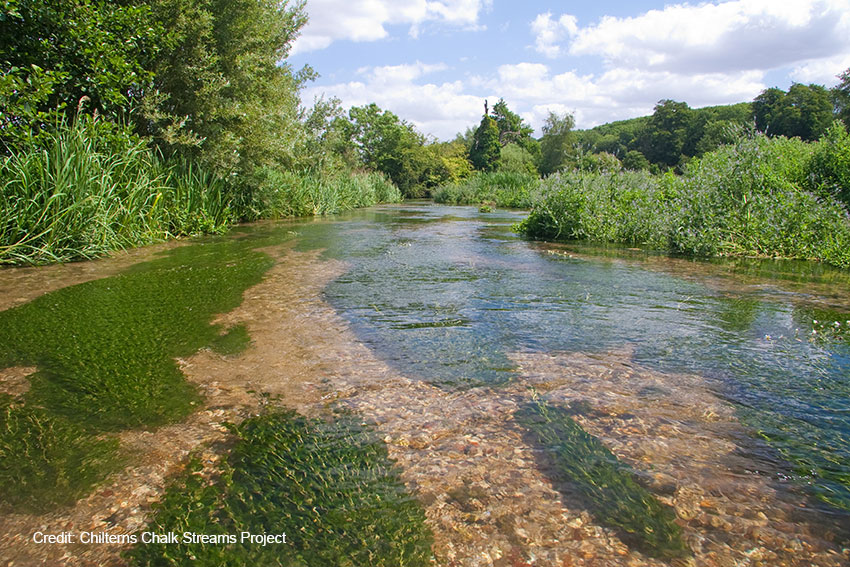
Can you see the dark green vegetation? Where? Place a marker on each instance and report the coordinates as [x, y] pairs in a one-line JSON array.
[[757, 197], [329, 486], [588, 469], [501, 188], [144, 120], [105, 352], [90, 187]]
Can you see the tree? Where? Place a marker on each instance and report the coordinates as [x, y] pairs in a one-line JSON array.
[[635, 161], [666, 134], [392, 146], [556, 142], [486, 149], [516, 159], [840, 95], [55, 55], [805, 111], [222, 92], [511, 126]]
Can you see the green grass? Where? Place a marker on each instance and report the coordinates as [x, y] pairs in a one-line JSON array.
[[105, 352], [284, 194], [501, 188], [606, 486], [90, 187], [745, 199], [329, 486]]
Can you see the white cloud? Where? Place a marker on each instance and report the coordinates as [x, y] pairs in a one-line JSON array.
[[615, 94], [706, 54], [821, 71], [548, 32], [709, 38], [365, 20], [439, 109]]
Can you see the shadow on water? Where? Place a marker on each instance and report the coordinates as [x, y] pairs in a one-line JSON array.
[[587, 473]]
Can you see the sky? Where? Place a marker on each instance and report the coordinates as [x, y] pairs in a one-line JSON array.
[[435, 62]]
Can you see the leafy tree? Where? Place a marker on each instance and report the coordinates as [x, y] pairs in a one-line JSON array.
[[805, 111], [486, 149], [840, 95], [390, 145], [455, 166], [516, 159], [53, 55], [666, 134], [635, 161], [556, 142], [512, 128], [220, 93]]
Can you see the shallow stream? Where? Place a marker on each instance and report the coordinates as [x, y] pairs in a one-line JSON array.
[[724, 386]]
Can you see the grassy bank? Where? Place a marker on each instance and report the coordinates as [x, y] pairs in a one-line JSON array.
[[91, 187], [501, 189], [758, 197], [329, 486]]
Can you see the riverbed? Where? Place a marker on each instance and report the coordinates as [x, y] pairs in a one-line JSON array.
[[721, 387]]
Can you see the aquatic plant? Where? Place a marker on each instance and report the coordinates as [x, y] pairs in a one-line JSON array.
[[105, 352], [328, 485], [587, 468], [47, 461]]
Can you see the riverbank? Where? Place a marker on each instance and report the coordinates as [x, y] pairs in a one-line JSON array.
[[89, 188]]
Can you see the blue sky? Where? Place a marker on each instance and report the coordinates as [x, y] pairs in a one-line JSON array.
[[434, 62]]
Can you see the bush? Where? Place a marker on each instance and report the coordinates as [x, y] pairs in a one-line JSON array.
[[746, 199], [504, 188], [828, 171]]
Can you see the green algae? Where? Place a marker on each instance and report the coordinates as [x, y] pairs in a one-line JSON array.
[[587, 469], [329, 486], [47, 461], [106, 355]]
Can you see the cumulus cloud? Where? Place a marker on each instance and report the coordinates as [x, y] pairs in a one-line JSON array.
[[548, 32], [440, 109], [709, 38], [365, 20], [615, 94]]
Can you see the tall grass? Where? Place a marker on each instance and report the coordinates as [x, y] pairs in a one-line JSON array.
[[744, 199], [79, 193], [502, 188], [90, 186], [284, 194]]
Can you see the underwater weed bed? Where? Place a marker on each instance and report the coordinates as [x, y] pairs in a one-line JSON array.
[[329, 486], [105, 355], [581, 462]]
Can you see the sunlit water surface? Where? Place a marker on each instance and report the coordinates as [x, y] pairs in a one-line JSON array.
[[446, 293]]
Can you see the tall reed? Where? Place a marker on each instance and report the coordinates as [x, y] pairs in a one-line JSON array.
[[88, 188]]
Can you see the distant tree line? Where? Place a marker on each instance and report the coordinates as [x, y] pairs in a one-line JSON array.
[[208, 81]]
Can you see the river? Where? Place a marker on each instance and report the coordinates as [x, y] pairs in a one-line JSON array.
[[723, 387]]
